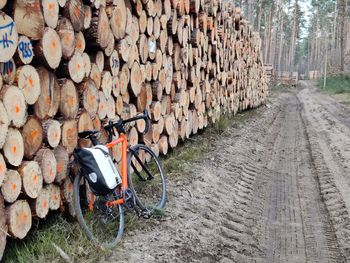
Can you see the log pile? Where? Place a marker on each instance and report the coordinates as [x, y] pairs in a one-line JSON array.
[[287, 78], [269, 72], [69, 65], [314, 74]]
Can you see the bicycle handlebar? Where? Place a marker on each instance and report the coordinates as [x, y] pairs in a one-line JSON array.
[[119, 125]]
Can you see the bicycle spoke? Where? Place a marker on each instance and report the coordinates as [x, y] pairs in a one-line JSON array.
[[102, 224], [146, 178]]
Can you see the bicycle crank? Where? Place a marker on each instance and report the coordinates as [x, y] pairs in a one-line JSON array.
[[129, 199]]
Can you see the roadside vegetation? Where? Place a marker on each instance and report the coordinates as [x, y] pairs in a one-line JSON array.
[[60, 238], [337, 86]]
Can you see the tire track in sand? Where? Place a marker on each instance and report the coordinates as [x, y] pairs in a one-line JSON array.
[[255, 198]]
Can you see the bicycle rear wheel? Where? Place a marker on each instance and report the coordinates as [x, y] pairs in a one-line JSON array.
[[102, 225], [146, 178]]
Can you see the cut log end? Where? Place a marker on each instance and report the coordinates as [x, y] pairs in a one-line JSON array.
[[48, 164], [32, 134], [52, 132], [9, 37], [12, 185], [15, 104], [14, 147], [54, 196], [62, 159], [19, 219], [27, 79], [32, 180], [41, 205], [51, 48]]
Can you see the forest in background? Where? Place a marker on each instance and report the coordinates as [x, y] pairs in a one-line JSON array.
[[302, 35]]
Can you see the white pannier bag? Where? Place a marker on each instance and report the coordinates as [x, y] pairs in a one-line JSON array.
[[98, 168]]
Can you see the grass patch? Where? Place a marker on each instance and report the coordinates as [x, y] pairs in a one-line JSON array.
[[39, 245], [336, 84]]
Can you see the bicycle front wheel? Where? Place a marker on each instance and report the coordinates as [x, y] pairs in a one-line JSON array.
[[102, 225], [146, 178]]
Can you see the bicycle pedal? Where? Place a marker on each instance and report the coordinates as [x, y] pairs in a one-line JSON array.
[[146, 214]]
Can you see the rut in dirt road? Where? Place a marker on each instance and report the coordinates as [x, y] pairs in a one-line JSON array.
[[271, 190], [297, 226]]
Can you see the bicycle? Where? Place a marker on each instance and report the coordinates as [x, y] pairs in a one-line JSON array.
[[142, 187]]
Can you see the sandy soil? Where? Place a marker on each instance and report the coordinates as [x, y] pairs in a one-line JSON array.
[[275, 189]]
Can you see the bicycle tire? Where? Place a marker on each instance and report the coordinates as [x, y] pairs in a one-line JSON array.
[[138, 189], [77, 199]]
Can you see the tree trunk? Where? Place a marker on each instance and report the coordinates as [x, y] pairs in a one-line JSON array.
[[344, 30]]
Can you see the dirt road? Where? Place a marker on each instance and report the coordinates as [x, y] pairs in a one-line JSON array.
[[274, 189]]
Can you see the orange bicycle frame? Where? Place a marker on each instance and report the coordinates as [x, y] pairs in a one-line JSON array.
[[123, 140]]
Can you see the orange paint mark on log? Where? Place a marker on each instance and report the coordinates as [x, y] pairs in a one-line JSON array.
[[34, 134], [55, 197], [51, 6], [59, 167], [2, 168], [30, 82], [51, 173], [17, 109], [44, 204], [36, 179], [70, 132], [14, 187], [24, 217], [70, 101], [76, 11], [14, 149], [53, 45], [80, 45], [67, 39], [55, 136], [117, 19], [78, 66], [91, 99]]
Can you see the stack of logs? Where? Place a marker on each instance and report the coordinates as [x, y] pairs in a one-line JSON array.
[[70, 65]]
